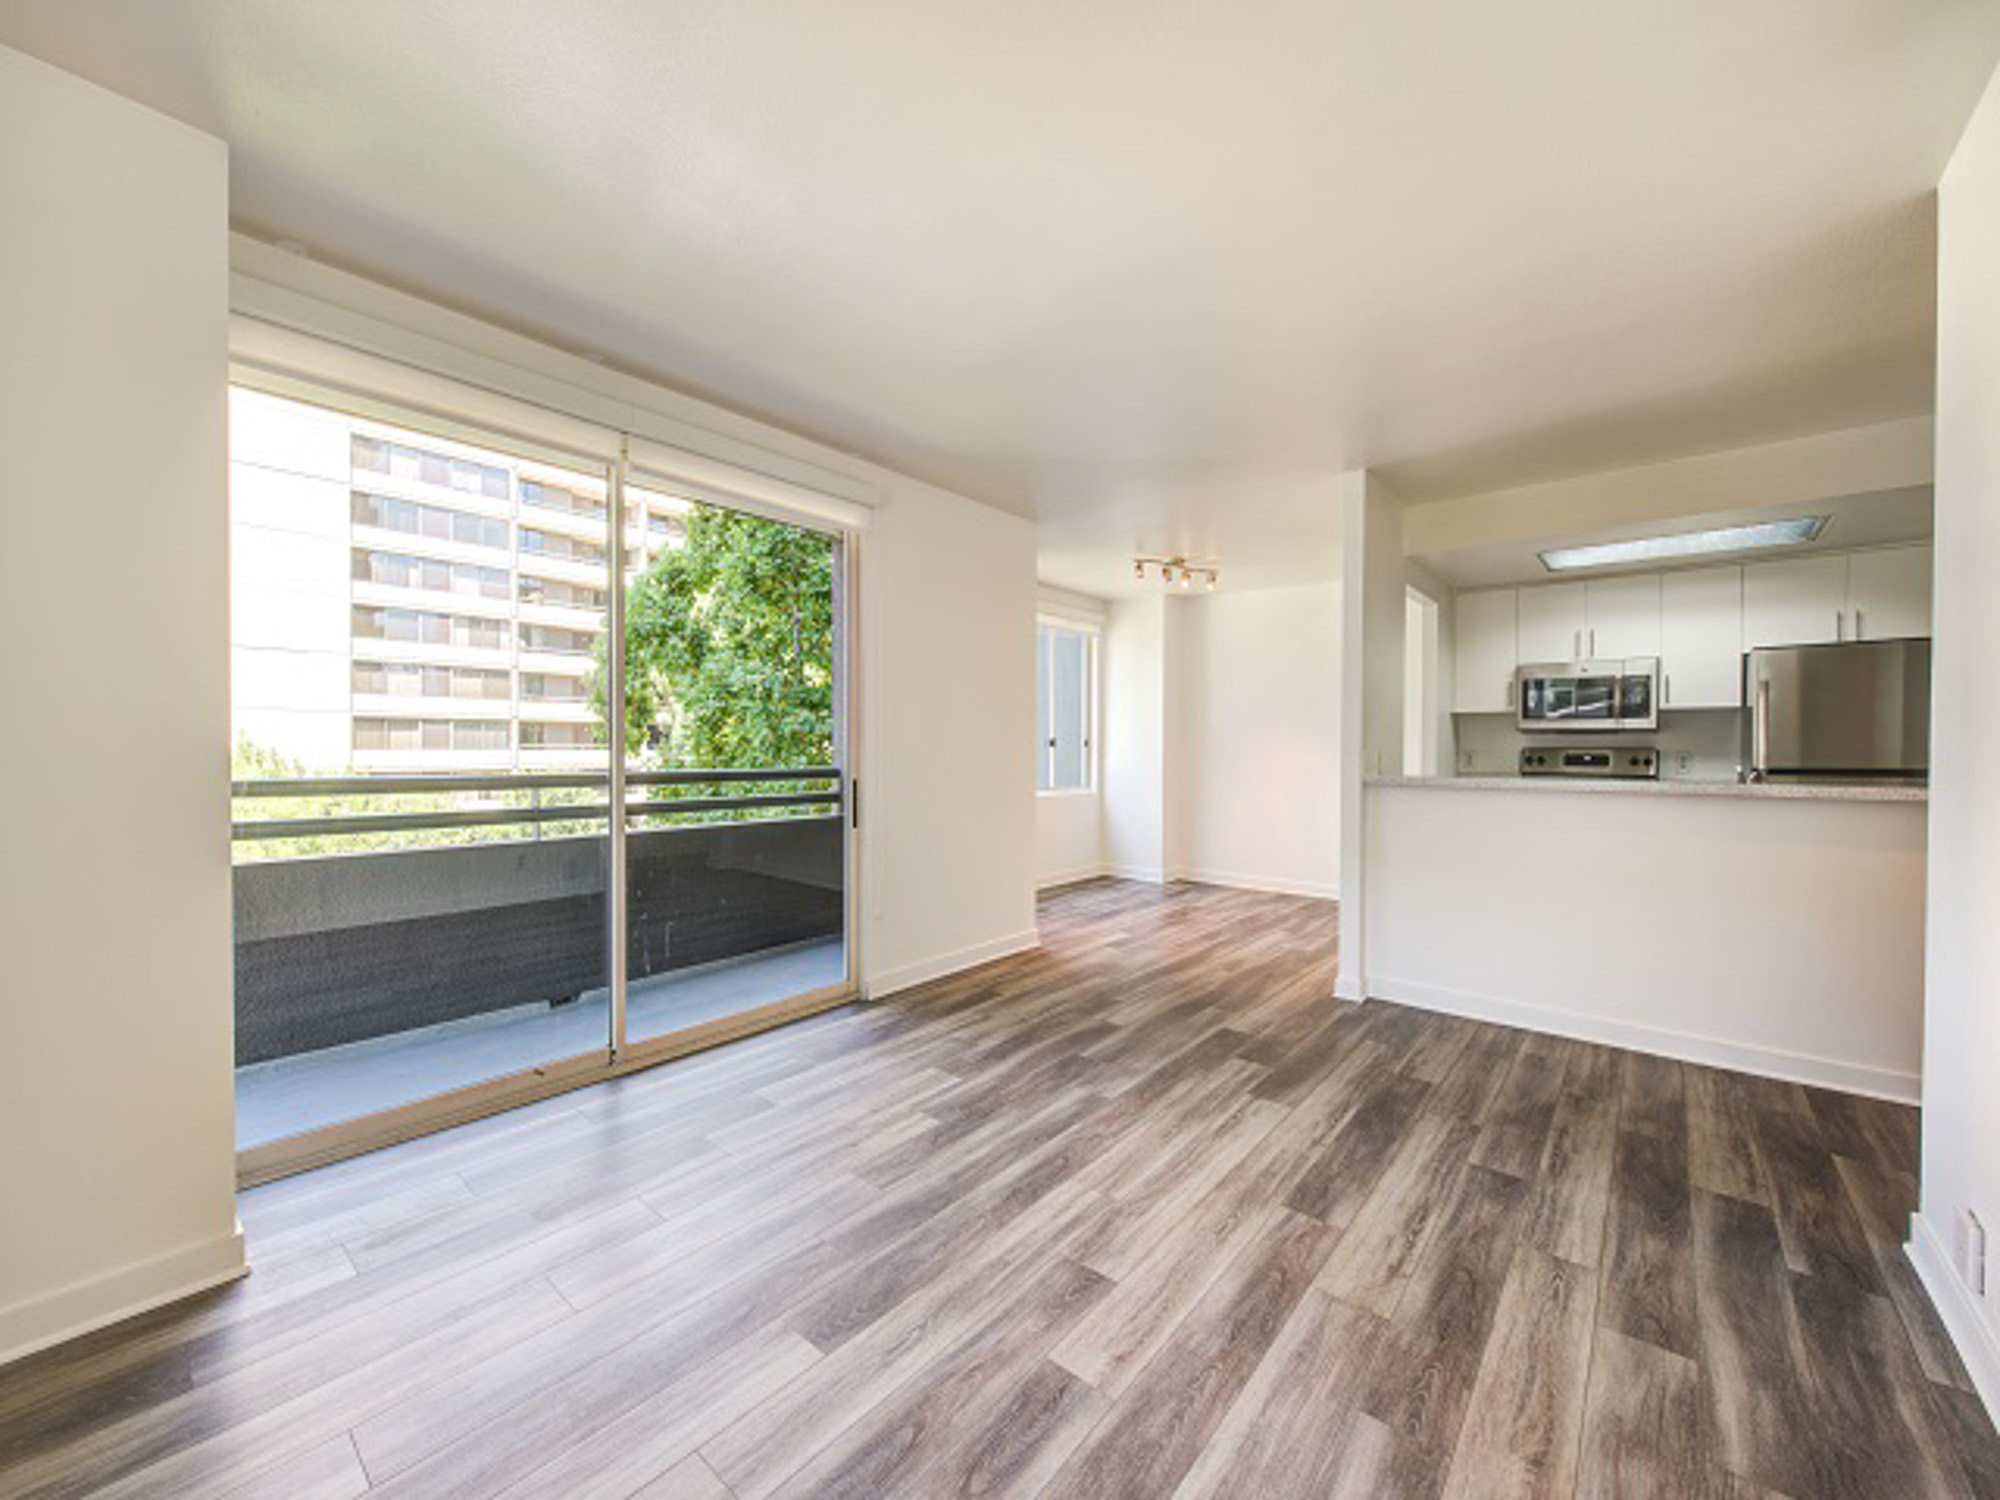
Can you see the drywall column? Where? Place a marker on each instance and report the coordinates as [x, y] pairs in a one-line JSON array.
[[1135, 738], [1371, 691], [1961, 1159], [118, 1171]]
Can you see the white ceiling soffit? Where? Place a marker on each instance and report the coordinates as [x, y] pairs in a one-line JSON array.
[[1873, 482], [1149, 273]]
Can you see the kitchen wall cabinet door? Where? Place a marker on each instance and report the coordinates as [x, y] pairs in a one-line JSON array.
[[1889, 593], [1799, 602], [1624, 617], [1485, 653], [1701, 639], [1554, 622]]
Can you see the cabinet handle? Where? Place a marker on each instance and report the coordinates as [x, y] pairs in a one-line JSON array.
[[1840, 624], [1857, 622], [1667, 688], [1576, 643], [1593, 640]]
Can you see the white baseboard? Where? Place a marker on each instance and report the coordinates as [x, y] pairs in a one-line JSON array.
[[1151, 874], [1070, 877], [888, 981], [1686, 1046], [86, 1306], [1970, 1333], [1278, 885]]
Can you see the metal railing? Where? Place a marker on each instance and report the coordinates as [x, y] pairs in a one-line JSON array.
[[536, 812]]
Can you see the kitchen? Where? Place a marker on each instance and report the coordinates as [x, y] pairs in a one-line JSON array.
[[1674, 799]]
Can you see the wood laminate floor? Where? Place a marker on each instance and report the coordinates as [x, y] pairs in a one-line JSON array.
[[1141, 1214]]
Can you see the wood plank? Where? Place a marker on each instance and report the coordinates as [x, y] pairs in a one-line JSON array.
[[1526, 1409], [1649, 1276], [1150, 1440], [1722, 1136], [1372, 1264], [1517, 1125], [1817, 1223], [1334, 1187], [1751, 1352], [1424, 1374], [1643, 1423], [1289, 1432], [1875, 1419], [988, 1406], [1652, 1098], [1572, 1188], [1883, 1200]]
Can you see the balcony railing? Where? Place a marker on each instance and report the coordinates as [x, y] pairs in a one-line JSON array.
[[828, 796], [473, 910]]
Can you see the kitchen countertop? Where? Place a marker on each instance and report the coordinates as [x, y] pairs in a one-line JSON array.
[[1771, 791]]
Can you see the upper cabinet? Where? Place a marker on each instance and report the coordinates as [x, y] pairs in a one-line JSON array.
[[1485, 652], [1697, 621], [1607, 617], [1624, 617], [1860, 596], [1701, 638], [1801, 601], [1553, 620], [1889, 593]]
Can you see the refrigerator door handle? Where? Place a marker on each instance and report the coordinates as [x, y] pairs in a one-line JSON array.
[[1760, 759]]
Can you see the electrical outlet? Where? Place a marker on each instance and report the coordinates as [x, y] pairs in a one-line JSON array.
[[1684, 761], [1973, 1240]]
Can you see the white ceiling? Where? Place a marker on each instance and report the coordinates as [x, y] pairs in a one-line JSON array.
[[1150, 272]]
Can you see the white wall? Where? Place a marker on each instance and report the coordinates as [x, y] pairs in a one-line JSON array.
[[947, 628], [1374, 577], [1776, 936], [1135, 733], [1261, 790], [117, 1172], [1961, 1160]]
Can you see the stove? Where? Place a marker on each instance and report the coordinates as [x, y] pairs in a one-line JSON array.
[[1621, 762]]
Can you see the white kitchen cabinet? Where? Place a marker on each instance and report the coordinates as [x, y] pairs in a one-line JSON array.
[[1485, 653], [1889, 593], [1801, 601], [1554, 620], [1622, 618], [1701, 639]]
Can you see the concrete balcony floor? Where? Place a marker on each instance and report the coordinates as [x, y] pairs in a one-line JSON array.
[[309, 1090]]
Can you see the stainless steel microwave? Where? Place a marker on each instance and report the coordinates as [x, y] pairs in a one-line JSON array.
[[1592, 696]]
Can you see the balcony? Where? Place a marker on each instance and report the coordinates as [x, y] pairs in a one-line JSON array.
[[371, 979]]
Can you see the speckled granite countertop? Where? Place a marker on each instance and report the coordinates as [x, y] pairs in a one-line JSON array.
[[1768, 790]]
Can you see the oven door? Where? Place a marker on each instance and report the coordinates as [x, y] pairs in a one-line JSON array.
[[1573, 700]]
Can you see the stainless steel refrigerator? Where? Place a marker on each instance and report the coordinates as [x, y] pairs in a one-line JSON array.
[[1856, 711]]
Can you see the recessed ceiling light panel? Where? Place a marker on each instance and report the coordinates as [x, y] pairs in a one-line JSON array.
[[1650, 549]]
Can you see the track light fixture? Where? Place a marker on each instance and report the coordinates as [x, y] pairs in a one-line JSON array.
[[1178, 572]]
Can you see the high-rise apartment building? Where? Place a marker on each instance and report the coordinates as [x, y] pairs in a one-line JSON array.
[[404, 602]]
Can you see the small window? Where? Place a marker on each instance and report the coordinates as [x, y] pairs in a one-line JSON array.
[[1065, 695]]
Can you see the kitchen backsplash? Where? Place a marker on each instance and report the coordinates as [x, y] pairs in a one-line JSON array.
[[1694, 744]]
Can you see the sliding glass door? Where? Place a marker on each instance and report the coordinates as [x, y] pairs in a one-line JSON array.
[[439, 909], [736, 839]]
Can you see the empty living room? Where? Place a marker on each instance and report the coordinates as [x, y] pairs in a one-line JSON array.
[[1097, 752]]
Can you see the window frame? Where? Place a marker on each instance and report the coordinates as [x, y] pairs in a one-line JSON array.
[[1091, 636]]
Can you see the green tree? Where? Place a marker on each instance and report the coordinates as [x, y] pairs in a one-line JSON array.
[[729, 648]]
